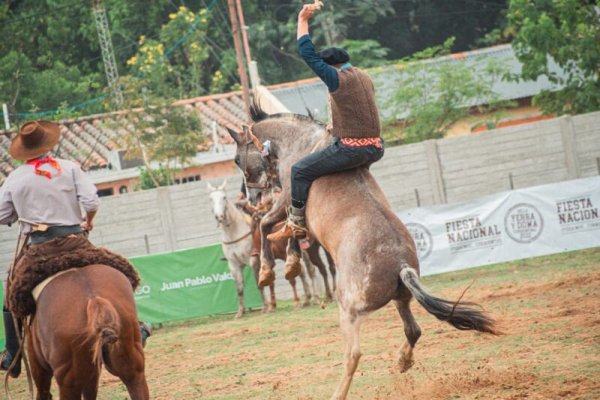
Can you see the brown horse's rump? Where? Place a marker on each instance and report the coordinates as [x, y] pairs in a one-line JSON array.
[[38, 263]]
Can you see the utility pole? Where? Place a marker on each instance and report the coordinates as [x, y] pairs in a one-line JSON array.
[[108, 55], [239, 55], [252, 68], [240, 12]]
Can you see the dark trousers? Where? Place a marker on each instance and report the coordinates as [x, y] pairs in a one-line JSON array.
[[333, 158]]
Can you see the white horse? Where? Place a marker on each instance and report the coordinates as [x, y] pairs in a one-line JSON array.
[[237, 247]]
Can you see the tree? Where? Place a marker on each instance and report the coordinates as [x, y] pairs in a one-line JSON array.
[[366, 53], [566, 32], [433, 95], [159, 133]]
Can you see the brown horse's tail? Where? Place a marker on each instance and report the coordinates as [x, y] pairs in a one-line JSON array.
[[463, 316], [103, 326]]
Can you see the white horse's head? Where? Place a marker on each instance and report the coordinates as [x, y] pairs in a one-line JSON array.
[[218, 199]]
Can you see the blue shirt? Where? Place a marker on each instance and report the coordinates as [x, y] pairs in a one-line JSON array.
[[326, 72]]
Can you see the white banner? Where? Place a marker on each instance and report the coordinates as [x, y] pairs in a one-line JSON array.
[[507, 226]]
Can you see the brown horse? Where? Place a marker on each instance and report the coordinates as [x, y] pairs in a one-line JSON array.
[[86, 318], [348, 214]]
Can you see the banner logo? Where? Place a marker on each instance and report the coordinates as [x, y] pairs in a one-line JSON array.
[[523, 223], [143, 290], [577, 215], [469, 233], [422, 238]]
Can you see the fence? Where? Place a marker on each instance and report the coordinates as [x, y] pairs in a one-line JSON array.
[[423, 174]]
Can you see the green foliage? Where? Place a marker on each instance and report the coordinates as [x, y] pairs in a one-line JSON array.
[[432, 96], [365, 53], [52, 55], [158, 133], [153, 178], [566, 32]]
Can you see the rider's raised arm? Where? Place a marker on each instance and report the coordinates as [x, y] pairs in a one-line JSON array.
[[306, 49]]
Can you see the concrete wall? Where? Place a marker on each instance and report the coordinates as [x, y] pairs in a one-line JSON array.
[[428, 173]]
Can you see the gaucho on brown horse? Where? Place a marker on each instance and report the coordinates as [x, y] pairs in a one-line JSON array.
[[44, 195]]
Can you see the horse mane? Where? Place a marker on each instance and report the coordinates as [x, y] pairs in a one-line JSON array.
[[258, 114]]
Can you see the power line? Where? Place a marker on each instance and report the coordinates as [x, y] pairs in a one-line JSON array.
[[102, 97]]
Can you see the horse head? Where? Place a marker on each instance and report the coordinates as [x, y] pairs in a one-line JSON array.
[[256, 160], [266, 150], [218, 198]]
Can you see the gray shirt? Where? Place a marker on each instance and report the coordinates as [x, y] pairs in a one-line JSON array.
[[55, 201]]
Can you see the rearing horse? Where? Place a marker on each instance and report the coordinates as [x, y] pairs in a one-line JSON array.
[[349, 215], [85, 318]]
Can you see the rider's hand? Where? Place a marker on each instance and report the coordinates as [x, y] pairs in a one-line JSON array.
[[307, 12], [87, 225]]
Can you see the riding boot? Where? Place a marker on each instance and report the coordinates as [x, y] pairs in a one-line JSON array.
[[266, 276], [12, 346], [292, 267], [295, 226]]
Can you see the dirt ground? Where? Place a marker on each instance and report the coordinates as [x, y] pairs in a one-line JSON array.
[[548, 309]]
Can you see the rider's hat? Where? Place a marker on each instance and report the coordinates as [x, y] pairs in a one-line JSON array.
[[34, 139], [334, 55]]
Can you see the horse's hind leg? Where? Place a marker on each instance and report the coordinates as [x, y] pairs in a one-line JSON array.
[[350, 325], [41, 377], [90, 390], [412, 332], [127, 362], [305, 286]]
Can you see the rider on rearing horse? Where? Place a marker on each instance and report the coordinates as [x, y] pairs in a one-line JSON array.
[[354, 122], [45, 195]]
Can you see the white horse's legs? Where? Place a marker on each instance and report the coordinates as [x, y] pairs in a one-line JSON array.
[[350, 325], [236, 271]]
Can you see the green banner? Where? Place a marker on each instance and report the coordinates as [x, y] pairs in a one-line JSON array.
[[189, 283], [185, 284]]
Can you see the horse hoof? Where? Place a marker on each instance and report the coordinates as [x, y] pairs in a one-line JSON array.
[[405, 365], [266, 277], [238, 315]]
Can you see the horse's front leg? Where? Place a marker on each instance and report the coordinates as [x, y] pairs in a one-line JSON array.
[[267, 261]]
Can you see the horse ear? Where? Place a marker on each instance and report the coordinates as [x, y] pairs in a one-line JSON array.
[[210, 187], [223, 186], [235, 136]]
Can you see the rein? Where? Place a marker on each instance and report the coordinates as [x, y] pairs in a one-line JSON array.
[[19, 250], [238, 239]]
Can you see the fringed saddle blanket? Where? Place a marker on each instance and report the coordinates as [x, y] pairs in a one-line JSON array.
[[29, 274]]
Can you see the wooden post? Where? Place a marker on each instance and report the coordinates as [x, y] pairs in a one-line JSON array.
[[239, 55]]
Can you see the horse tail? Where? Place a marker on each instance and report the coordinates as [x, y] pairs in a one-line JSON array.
[[463, 316], [103, 326]]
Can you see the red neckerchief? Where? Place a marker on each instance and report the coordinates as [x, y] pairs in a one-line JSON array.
[[38, 162]]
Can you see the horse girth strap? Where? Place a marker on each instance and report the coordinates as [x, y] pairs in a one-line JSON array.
[[37, 291]]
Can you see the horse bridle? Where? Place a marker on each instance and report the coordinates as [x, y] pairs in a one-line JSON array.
[[271, 168]]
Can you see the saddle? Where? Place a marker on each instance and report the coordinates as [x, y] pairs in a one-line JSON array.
[[29, 275]]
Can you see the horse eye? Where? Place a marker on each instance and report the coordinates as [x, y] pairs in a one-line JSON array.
[[237, 160]]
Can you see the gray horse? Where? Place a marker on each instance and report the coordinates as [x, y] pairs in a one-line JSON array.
[[348, 214]]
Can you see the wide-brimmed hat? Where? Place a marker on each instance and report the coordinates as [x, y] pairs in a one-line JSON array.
[[334, 55], [34, 139]]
